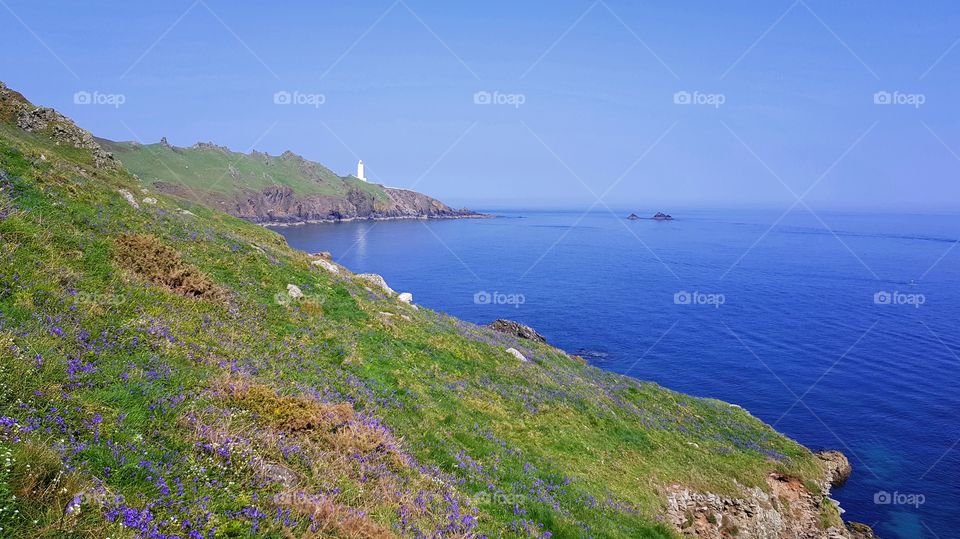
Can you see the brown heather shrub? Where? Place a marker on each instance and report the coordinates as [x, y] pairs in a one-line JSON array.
[[289, 413], [330, 519], [150, 258], [360, 437]]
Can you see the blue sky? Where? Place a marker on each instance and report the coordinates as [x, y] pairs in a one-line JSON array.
[[584, 95]]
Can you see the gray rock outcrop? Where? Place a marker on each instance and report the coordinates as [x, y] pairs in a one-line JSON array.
[[517, 330]]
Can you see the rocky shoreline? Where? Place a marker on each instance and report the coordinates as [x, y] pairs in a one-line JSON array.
[[284, 224]]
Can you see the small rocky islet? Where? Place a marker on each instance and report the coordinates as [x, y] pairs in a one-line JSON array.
[[659, 216]]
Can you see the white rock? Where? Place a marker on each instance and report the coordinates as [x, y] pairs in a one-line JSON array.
[[329, 266], [406, 297], [129, 196], [377, 281], [185, 212], [294, 291], [516, 353], [150, 200]]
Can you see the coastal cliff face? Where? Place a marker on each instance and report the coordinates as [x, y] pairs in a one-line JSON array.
[[788, 508], [280, 205], [265, 189], [168, 372]]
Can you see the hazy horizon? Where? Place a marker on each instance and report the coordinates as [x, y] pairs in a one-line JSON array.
[[839, 106]]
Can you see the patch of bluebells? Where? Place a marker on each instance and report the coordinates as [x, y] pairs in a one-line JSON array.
[[166, 404]]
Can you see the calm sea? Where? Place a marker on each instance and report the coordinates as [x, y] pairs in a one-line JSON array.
[[841, 330]]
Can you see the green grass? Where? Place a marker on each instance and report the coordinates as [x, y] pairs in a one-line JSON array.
[[220, 171], [131, 387]]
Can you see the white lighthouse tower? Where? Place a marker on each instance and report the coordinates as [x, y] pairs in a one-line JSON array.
[[360, 171]]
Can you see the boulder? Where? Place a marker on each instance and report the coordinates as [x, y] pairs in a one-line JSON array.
[[150, 200], [406, 297], [517, 330], [633, 217], [660, 216], [329, 266], [129, 198], [294, 291], [378, 281], [516, 353], [324, 255]]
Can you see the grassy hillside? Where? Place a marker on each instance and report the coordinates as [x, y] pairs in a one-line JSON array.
[[157, 379], [209, 168]]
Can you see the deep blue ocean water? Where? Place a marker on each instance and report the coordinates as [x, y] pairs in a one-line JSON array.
[[842, 333]]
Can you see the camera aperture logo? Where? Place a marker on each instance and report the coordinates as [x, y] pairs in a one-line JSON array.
[[898, 498], [484, 97], [699, 298], [297, 97], [896, 297], [84, 97], [884, 97], [499, 298], [684, 97]]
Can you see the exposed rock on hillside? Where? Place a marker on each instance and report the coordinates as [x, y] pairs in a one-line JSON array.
[[377, 281], [517, 329], [57, 126]]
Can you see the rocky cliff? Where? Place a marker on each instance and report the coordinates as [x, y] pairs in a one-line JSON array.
[[788, 508]]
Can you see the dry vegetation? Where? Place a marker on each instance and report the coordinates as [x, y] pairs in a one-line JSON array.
[[150, 258]]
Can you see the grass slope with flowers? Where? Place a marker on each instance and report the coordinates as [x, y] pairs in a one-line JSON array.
[[157, 380]]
